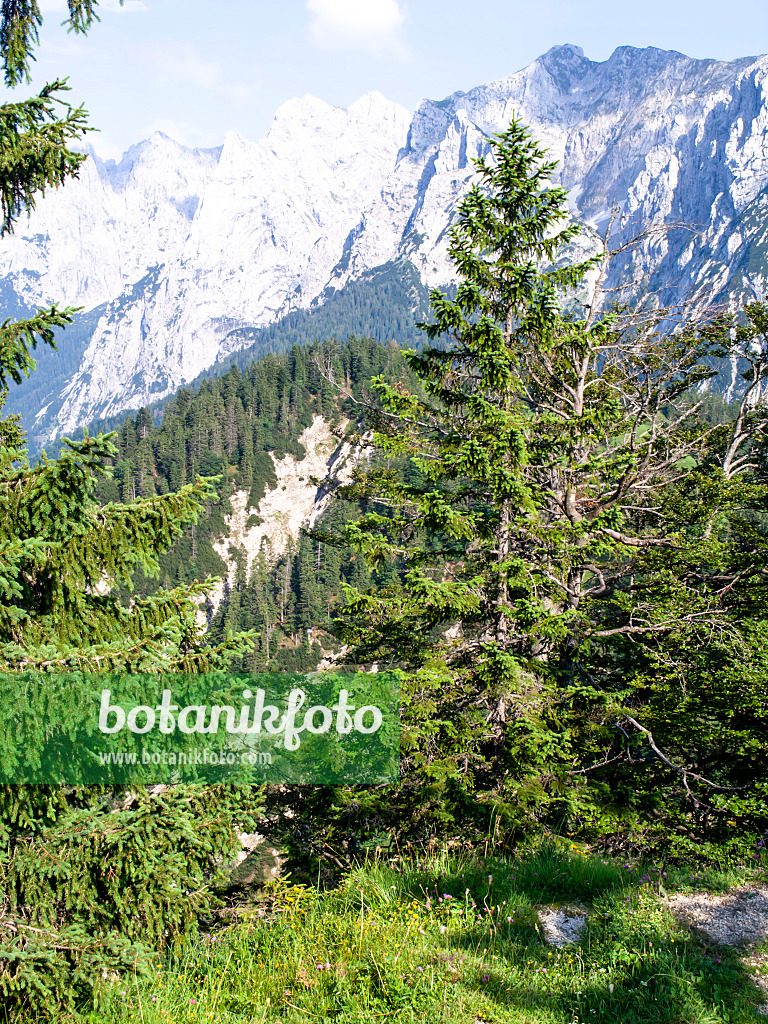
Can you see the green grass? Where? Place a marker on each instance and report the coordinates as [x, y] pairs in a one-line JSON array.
[[452, 939]]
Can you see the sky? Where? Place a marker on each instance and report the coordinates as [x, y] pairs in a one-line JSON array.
[[196, 69]]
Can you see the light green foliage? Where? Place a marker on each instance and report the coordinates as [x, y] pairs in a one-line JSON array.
[[63, 554], [454, 939], [34, 144]]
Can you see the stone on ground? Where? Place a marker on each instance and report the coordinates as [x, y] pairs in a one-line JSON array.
[[737, 918], [562, 925]]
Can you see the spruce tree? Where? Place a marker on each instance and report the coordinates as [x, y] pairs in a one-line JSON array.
[[93, 879], [569, 535]]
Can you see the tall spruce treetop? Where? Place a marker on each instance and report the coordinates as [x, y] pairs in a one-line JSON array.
[[556, 503], [469, 437]]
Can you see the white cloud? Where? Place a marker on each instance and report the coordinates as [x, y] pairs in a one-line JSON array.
[[368, 24], [181, 61]]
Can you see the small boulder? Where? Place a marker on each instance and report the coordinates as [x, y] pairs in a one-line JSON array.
[[257, 863], [562, 925]]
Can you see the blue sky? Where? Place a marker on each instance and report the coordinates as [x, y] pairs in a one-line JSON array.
[[197, 68]]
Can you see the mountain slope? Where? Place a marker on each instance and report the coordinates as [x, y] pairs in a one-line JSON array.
[[183, 257], [271, 432]]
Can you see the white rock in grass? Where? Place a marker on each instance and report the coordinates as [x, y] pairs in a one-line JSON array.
[[757, 965], [562, 925], [736, 918]]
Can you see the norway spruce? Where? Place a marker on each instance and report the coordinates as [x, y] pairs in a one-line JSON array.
[[93, 880], [574, 543]]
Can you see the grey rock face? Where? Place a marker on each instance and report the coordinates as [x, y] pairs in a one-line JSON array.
[[180, 247]]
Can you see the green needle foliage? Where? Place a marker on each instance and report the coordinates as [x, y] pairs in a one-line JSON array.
[[33, 143], [20, 21], [63, 556], [580, 558], [91, 880]]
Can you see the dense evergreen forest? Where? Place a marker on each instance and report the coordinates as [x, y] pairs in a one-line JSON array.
[[230, 427], [382, 304]]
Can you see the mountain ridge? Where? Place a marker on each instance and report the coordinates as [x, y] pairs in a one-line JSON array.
[[187, 250]]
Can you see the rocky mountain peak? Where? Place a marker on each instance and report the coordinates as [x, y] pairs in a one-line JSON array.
[[177, 251], [566, 65]]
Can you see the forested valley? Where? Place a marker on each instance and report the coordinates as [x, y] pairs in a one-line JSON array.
[[233, 427]]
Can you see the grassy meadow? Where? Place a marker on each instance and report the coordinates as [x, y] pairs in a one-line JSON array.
[[452, 938]]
